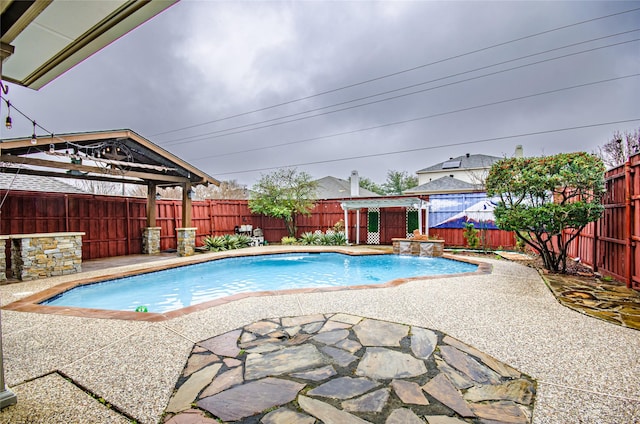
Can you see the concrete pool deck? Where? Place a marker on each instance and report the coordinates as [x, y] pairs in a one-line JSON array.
[[587, 370]]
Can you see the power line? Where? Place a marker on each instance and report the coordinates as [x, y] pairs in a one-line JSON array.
[[204, 136], [419, 149], [406, 121], [493, 46]]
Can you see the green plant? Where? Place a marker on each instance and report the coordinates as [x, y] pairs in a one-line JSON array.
[[284, 194], [327, 239], [606, 278], [215, 243], [470, 234], [231, 241], [243, 240], [310, 239], [542, 197], [339, 239], [288, 240]]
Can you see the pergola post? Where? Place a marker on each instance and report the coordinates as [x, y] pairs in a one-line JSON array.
[[357, 226], [346, 224], [7, 397]]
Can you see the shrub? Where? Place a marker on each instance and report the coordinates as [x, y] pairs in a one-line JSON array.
[[470, 234], [227, 242], [310, 239], [288, 240], [339, 239], [328, 239], [215, 244]]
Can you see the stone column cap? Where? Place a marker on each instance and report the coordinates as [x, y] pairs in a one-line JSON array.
[[186, 228], [41, 235], [152, 228]]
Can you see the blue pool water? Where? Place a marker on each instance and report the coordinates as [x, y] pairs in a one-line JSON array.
[[176, 288]]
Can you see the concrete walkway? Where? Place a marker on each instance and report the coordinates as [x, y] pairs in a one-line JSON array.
[[587, 370]]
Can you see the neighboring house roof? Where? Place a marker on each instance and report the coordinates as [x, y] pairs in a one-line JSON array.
[[336, 188], [18, 182], [443, 185], [462, 162]]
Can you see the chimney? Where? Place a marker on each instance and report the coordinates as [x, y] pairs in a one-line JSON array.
[[519, 152], [355, 184]]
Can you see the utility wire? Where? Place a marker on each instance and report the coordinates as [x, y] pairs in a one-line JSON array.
[[420, 149], [321, 93], [240, 131], [200, 137], [406, 121]]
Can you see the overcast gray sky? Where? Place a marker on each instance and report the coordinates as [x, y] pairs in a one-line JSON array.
[[201, 76]]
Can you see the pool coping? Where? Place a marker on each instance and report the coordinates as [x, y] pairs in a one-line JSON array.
[[32, 304]]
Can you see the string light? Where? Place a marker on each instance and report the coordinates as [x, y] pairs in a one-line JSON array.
[[34, 138], [7, 122]]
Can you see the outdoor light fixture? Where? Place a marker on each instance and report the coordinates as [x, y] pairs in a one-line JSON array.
[[191, 194], [8, 123], [34, 138]]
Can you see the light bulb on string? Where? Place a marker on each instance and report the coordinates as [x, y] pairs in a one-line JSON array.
[[34, 138], [8, 123]]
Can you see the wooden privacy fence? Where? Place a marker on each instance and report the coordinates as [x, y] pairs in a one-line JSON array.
[[113, 224], [610, 245]]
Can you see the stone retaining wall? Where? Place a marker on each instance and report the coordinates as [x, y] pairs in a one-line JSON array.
[[36, 256], [3, 258], [403, 246]]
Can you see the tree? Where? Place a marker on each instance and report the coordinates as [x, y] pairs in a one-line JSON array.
[[368, 184], [226, 190], [283, 194], [616, 151], [398, 181], [97, 187], [541, 197]]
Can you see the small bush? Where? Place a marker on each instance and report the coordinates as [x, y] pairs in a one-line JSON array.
[[339, 239], [227, 242], [470, 234], [328, 239], [310, 239], [215, 244], [288, 240]]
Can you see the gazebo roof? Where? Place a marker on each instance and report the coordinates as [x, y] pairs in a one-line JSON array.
[[114, 156]]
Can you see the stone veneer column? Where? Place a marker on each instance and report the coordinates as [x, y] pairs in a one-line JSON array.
[[151, 240], [44, 255], [186, 241], [3, 260]]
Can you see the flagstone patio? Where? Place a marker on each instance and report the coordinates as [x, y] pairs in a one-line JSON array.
[[342, 368]]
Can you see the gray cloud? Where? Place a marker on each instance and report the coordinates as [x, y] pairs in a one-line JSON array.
[[201, 61]]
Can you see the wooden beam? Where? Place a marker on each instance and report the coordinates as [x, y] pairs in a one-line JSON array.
[[26, 171], [85, 168], [186, 205]]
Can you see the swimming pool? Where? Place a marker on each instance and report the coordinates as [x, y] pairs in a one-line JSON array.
[[177, 288]]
